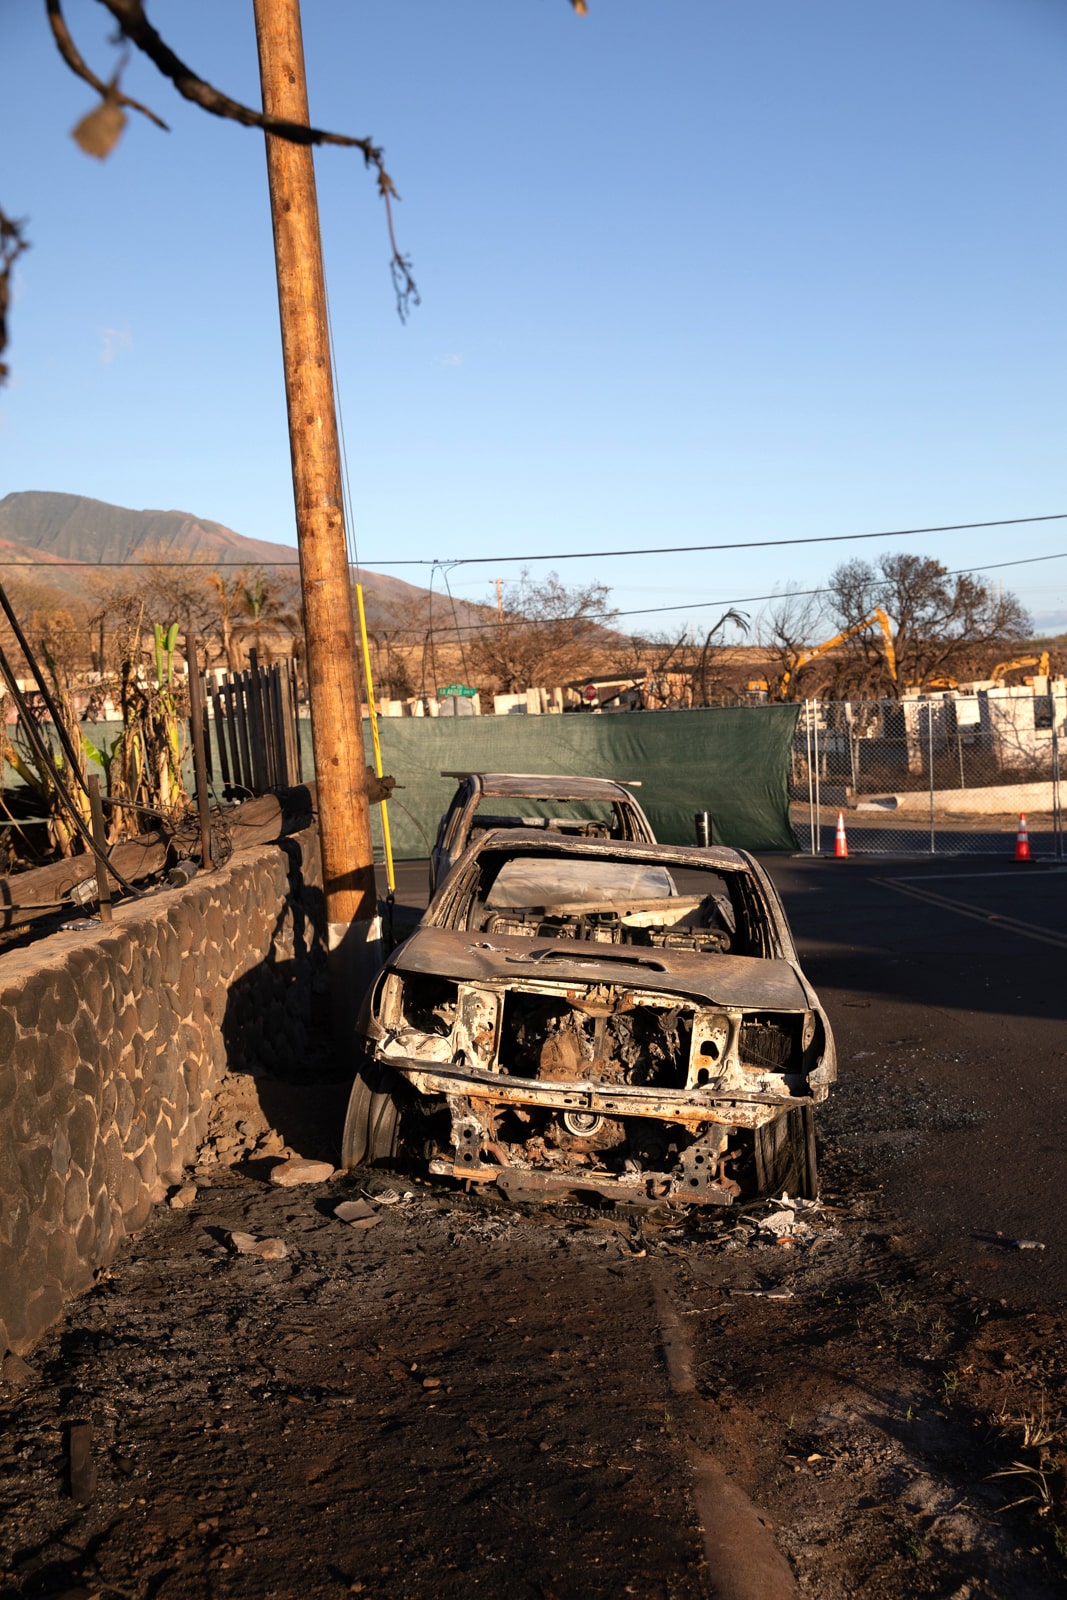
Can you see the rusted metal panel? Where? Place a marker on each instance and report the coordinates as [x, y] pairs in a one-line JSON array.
[[506, 959]]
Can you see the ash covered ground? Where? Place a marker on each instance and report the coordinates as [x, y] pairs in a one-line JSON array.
[[446, 1394]]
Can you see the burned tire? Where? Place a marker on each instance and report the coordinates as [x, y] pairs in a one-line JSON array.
[[784, 1153], [372, 1124]]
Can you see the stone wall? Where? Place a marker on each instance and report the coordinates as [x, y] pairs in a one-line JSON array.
[[112, 1040]]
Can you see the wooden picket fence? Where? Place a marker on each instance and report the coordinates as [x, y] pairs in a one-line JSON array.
[[256, 744]]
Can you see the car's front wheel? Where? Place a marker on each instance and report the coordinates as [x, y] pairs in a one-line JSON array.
[[372, 1125], [785, 1155]]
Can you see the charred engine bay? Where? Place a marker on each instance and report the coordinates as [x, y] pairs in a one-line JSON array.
[[608, 1081], [602, 1031], [600, 1034]]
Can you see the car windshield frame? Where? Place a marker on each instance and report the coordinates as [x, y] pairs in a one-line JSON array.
[[761, 927], [554, 881]]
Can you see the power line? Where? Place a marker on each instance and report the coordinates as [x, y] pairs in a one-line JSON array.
[[741, 544], [90, 566], [751, 599], [738, 600], [609, 616], [590, 555]]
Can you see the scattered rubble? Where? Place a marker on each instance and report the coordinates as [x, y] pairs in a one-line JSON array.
[[247, 1244], [15, 1371], [297, 1170], [448, 1370], [357, 1213]]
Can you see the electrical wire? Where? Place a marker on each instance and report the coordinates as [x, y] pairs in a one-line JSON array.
[[743, 544], [455, 623], [589, 555], [642, 611]]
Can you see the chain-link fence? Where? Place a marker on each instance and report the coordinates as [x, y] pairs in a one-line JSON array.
[[940, 774]]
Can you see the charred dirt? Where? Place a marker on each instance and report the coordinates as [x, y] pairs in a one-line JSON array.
[[438, 1393], [448, 1394]]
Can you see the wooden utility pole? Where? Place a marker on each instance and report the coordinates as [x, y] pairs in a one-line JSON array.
[[333, 670]]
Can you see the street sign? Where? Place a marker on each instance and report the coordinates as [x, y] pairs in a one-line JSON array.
[[462, 689], [590, 693]]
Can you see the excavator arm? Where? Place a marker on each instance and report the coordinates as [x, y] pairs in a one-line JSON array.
[[1002, 668], [877, 616]]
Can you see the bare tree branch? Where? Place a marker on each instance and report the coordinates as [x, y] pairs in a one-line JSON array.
[[135, 26], [70, 53], [97, 138], [12, 243], [942, 622]]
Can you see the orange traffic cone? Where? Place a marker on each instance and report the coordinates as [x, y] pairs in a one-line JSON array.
[[1022, 840], [840, 841]]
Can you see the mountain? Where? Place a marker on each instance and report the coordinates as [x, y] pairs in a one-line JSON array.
[[47, 529]]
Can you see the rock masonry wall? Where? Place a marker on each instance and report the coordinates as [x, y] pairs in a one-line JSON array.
[[112, 1041]]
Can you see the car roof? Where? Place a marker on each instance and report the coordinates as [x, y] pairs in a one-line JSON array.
[[546, 786], [528, 841]]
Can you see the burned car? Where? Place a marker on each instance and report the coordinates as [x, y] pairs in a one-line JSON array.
[[585, 808], [618, 1020]]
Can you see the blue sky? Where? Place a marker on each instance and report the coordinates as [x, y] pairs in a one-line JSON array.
[[692, 271]]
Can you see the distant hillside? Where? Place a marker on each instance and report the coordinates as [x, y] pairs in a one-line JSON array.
[[38, 526]]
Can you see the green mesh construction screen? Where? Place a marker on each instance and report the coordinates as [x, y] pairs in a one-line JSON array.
[[731, 760]]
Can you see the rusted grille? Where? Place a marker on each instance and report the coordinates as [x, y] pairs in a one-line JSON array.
[[766, 1044]]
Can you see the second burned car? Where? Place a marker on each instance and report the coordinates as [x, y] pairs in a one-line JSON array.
[[577, 807], [627, 1020]]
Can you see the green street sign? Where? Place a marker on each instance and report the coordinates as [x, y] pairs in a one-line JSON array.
[[462, 689]]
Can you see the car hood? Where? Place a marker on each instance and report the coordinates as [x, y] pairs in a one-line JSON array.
[[737, 981]]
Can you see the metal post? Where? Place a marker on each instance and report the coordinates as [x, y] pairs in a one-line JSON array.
[[197, 719], [333, 667], [818, 774], [372, 707], [930, 765], [811, 776], [702, 821], [96, 812], [1057, 807]]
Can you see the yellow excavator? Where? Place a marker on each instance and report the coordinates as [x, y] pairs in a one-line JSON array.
[[877, 615], [1002, 668]]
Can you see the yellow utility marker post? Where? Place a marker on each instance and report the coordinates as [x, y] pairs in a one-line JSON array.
[[372, 707]]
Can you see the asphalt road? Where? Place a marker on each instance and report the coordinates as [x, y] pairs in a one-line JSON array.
[[947, 985], [946, 982]]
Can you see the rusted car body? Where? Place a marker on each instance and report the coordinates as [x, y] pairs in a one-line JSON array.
[[624, 1020], [599, 808]]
